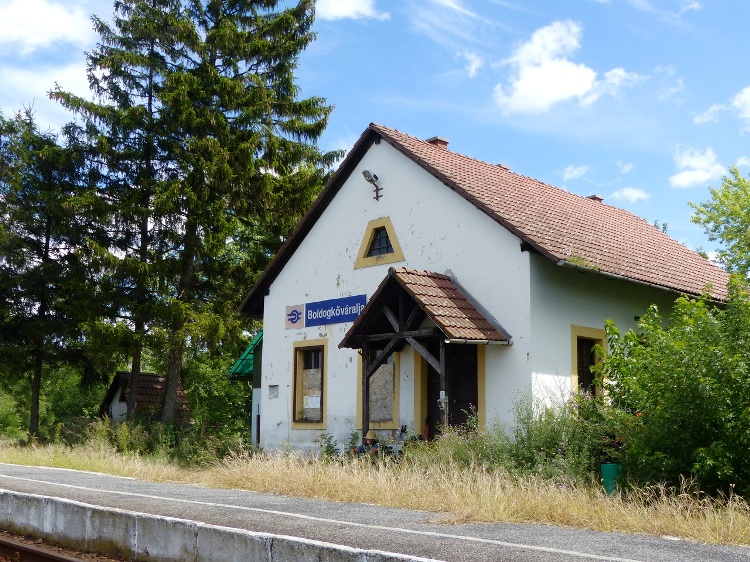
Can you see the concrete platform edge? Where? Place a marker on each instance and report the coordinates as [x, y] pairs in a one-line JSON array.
[[141, 536]]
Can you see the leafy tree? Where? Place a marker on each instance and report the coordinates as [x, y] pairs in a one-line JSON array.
[[45, 288], [209, 154], [726, 219], [684, 392]]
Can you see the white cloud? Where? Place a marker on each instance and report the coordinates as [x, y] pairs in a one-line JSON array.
[[710, 115], [742, 162], [685, 6], [456, 6], [697, 168], [449, 23], [355, 9], [574, 172], [630, 195], [741, 103], [614, 80], [27, 88], [625, 167], [668, 83], [542, 74], [473, 63], [38, 24]]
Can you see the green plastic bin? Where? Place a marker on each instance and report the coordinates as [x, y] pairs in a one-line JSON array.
[[611, 477]]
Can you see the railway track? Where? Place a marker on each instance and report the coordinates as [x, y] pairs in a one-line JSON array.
[[21, 552]]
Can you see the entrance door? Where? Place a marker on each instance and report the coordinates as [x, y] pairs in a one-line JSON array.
[[461, 387], [461, 368]]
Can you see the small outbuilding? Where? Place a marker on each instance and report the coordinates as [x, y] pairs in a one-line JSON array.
[[151, 391]]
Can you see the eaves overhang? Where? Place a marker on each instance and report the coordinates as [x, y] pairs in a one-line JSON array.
[[252, 304]]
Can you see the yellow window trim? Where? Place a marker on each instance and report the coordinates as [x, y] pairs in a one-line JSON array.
[[363, 260], [299, 346], [394, 422], [576, 332]]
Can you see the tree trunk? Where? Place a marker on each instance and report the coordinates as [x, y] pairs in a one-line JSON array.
[[36, 386], [135, 371], [147, 173], [190, 251], [36, 381], [174, 372]]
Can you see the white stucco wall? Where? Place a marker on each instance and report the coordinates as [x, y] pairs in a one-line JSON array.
[[117, 408], [438, 230], [563, 297]]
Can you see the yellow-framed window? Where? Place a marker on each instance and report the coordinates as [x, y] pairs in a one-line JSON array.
[[309, 395]]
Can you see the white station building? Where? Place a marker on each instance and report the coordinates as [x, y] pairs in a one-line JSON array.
[[423, 284]]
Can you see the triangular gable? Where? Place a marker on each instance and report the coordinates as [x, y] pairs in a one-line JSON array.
[[573, 231], [437, 297]]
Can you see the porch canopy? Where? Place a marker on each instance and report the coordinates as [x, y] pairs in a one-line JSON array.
[[396, 315]]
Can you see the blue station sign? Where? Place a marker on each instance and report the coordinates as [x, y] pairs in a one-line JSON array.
[[332, 311]]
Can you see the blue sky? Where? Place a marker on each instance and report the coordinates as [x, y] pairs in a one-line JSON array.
[[645, 102]]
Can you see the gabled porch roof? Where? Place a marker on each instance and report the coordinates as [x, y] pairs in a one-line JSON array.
[[436, 296]]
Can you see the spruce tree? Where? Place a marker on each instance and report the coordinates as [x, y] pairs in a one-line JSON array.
[[210, 153], [130, 144], [45, 285]]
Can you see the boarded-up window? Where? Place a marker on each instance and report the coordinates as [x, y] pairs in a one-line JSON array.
[[308, 391], [381, 393]]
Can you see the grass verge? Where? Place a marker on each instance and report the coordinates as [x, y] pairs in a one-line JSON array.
[[454, 492]]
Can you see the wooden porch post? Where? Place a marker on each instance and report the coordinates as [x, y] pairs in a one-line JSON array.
[[365, 390], [443, 382]]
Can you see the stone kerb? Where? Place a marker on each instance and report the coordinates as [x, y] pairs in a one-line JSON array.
[[141, 537], [165, 539], [26, 513], [111, 531]]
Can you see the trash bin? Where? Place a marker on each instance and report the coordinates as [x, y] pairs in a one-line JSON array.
[[611, 476]]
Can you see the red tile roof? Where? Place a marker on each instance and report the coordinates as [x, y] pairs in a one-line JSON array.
[[151, 389], [447, 306], [440, 298], [571, 230], [566, 227]]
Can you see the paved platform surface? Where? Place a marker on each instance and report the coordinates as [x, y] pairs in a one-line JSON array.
[[400, 531]]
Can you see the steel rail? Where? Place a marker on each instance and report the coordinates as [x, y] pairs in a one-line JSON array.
[[22, 552]]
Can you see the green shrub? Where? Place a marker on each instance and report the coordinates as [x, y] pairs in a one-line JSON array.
[[683, 394], [564, 442], [11, 424]]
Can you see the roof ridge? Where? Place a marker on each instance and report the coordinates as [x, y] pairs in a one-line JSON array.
[[565, 226], [495, 167]]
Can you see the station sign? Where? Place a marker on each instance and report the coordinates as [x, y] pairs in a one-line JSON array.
[[319, 313]]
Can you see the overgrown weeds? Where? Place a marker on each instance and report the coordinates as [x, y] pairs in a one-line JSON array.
[[544, 470], [454, 491]]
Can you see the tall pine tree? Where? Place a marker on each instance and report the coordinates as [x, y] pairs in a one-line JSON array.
[[210, 156], [46, 292], [131, 146]]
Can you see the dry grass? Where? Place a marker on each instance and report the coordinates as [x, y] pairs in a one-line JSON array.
[[454, 494]]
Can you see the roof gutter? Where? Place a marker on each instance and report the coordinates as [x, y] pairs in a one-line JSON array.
[[570, 265], [476, 342]]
